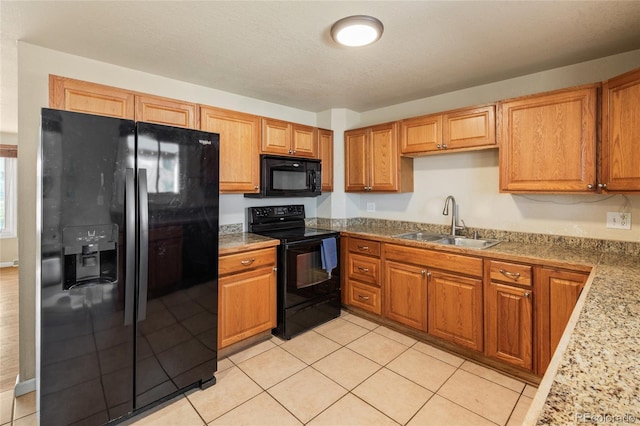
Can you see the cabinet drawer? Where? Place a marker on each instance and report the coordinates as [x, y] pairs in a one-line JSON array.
[[247, 260], [466, 265], [364, 268], [369, 247], [512, 273], [364, 297]]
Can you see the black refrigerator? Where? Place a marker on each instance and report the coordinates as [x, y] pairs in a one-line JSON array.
[[129, 266]]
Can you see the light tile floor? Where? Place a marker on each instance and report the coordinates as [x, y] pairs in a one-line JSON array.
[[349, 371]]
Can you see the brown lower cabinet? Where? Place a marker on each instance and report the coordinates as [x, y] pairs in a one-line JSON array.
[[246, 295], [428, 290], [557, 292], [512, 312], [362, 277]]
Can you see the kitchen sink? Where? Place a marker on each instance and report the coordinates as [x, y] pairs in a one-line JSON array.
[[480, 243], [420, 236]]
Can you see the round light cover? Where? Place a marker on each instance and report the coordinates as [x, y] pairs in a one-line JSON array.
[[357, 30]]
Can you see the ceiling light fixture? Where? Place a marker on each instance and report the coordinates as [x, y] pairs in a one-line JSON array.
[[357, 30]]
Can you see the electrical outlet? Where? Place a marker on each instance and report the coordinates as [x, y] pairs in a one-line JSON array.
[[618, 220], [371, 207]]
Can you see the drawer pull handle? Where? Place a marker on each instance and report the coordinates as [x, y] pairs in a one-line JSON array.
[[361, 297], [363, 248], [248, 262], [513, 275], [361, 269]]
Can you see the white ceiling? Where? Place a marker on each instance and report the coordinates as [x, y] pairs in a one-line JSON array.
[[281, 51]]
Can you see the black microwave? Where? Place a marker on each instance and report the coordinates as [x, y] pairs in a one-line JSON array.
[[288, 177]]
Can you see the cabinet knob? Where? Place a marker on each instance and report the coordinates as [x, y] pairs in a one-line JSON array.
[[444, 146], [527, 294], [589, 186], [290, 152], [257, 187], [438, 146], [602, 185]]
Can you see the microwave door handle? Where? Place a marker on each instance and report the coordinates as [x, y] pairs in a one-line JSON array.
[[312, 181]]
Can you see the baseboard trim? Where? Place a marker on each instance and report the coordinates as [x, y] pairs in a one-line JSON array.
[[23, 388], [7, 264]]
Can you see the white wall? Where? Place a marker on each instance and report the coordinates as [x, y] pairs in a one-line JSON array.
[[473, 177]]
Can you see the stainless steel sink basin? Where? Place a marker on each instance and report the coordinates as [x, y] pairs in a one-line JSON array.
[[467, 242], [480, 243], [420, 236]]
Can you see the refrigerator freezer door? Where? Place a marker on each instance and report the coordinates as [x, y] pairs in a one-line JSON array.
[[86, 348]]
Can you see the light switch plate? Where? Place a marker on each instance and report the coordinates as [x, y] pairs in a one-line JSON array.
[[618, 220]]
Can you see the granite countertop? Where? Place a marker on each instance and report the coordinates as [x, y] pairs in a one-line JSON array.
[[241, 241], [596, 368]]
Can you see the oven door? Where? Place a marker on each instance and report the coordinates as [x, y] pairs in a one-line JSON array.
[[304, 278]]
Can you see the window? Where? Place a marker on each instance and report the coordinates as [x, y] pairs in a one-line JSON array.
[[8, 190]]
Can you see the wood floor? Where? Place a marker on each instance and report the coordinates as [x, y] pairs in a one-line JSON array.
[[8, 328]]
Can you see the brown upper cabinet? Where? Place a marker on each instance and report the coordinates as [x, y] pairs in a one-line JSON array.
[[285, 138], [462, 129], [90, 98], [325, 148], [373, 162], [620, 156], [168, 112], [239, 141], [548, 141]]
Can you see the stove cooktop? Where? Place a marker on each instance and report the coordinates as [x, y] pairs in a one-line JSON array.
[[297, 234]]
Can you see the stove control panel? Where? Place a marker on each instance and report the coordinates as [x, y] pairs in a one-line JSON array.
[[258, 215]]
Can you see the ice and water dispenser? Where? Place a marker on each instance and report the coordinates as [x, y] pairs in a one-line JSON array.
[[90, 255]]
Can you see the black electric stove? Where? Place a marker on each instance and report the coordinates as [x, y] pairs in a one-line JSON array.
[[308, 291]]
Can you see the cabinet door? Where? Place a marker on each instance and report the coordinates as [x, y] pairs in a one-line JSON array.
[[621, 133], [90, 98], [557, 293], [247, 305], [508, 322], [355, 160], [406, 294], [304, 142], [276, 137], [383, 158], [169, 112], [455, 309], [469, 128], [325, 146], [547, 142], [421, 134], [239, 144]]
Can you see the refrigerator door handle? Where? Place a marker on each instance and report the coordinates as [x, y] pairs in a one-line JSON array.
[[143, 245], [130, 246]]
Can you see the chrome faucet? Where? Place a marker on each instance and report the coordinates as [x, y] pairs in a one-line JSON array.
[[455, 226]]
